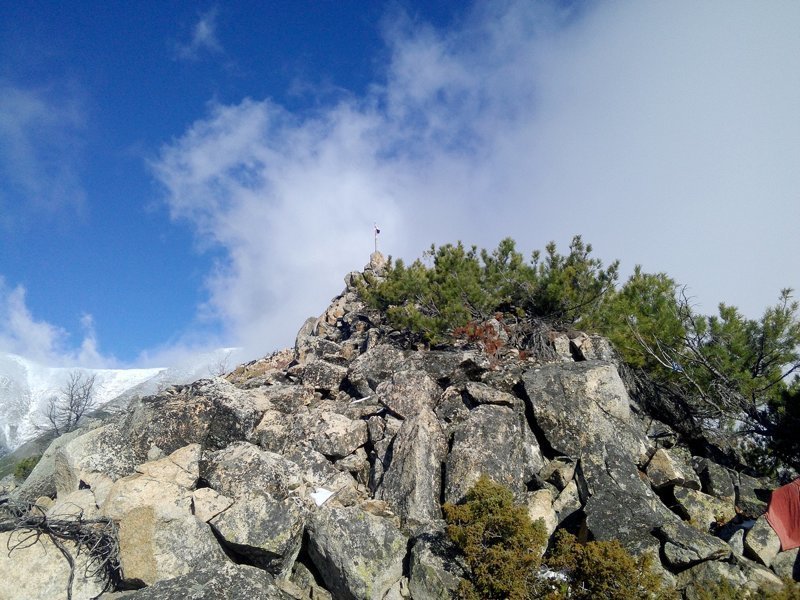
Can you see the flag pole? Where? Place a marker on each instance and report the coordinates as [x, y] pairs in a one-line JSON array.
[[377, 231]]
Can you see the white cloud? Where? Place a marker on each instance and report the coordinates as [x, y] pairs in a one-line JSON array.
[[23, 334], [40, 151], [20, 333], [203, 39], [666, 134]]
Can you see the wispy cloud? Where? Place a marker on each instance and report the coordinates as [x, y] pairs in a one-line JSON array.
[[23, 334], [665, 134], [41, 148], [203, 38]]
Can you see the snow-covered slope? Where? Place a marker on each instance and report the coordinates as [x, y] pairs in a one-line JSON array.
[[26, 387]]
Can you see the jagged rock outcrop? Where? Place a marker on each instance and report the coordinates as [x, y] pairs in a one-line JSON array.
[[41, 481], [577, 404], [157, 548], [359, 555], [226, 582], [762, 543], [320, 471], [211, 412], [496, 441], [412, 482], [435, 569]]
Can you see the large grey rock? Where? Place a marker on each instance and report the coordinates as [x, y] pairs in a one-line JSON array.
[[42, 480], [762, 543], [265, 521], [374, 366], [328, 432], [224, 582], [242, 467], [324, 375], [787, 564], [450, 368], [39, 569], [752, 496], [759, 577], [576, 404], [568, 502], [79, 505], [153, 547], [480, 393], [412, 483], [166, 498], [715, 479], [583, 411], [495, 441], [694, 580], [265, 530], [618, 504], [95, 459], [165, 485], [435, 570], [665, 469], [210, 412], [540, 506], [289, 399], [408, 392], [359, 555], [559, 471], [703, 511], [318, 472], [337, 436], [684, 546]]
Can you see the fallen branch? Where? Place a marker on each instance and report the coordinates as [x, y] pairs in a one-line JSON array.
[[97, 537]]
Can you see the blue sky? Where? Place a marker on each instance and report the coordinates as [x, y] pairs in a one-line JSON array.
[[179, 176]]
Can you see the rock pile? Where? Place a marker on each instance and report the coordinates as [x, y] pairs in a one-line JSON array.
[[320, 473]]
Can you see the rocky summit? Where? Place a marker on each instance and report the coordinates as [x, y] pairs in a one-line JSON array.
[[320, 472]]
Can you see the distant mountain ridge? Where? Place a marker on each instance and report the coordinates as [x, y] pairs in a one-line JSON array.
[[26, 386]]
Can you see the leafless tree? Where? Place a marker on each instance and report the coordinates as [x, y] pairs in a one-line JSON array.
[[221, 365], [76, 397]]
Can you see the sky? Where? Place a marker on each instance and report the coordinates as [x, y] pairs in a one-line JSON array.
[[179, 176]]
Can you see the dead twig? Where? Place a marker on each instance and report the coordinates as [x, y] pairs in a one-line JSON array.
[[97, 537]]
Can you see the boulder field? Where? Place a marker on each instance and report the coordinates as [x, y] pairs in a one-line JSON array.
[[319, 472]]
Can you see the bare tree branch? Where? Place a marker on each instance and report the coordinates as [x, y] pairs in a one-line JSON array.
[[98, 537], [63, 412]]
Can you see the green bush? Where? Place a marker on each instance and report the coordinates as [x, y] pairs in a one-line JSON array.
[[500, 543], [24, 467], [731, 373], [503, 548], [463, 285], [604, 570]]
